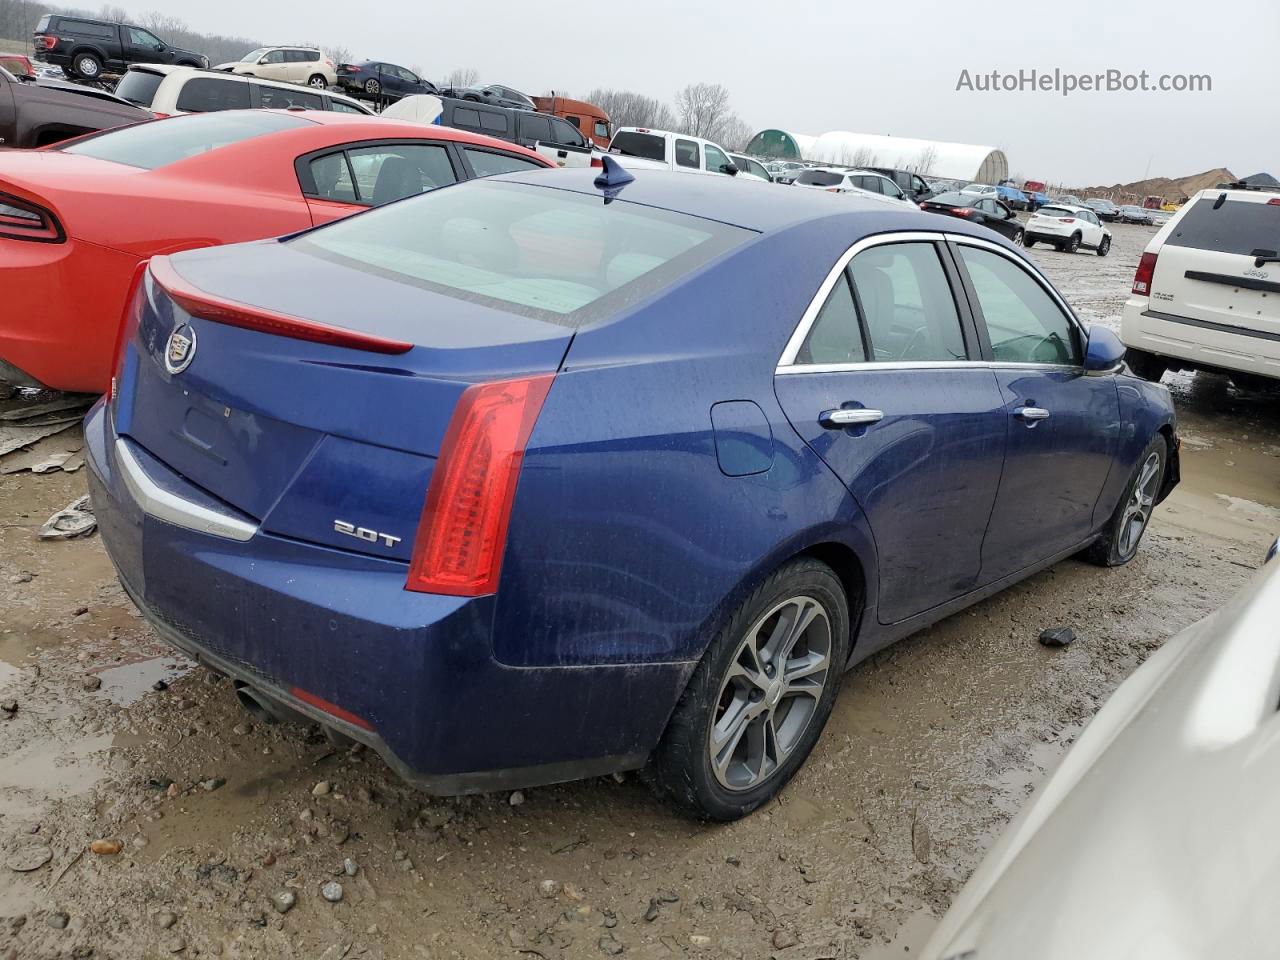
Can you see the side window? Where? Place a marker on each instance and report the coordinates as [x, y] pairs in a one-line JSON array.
[[891, 189], [575, 121], [275, 56], [141, 38], [488, 164], [466, 118], [716, 159], [561, 132], [312, 56], [495, 123], [393, 171], [918, 185], [295, 56], [206, 94], [282, 98], [835, 336], [1024, 323], [332, 179], [687, 154], [341, 106], [907, 303], [601, 129], [535, 127]]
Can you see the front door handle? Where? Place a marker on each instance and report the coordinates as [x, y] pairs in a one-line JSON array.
[[1031, 413], [849, 417]]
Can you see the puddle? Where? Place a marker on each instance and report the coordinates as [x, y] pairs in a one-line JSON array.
[[908, 942], [44, 769], [127, 683]]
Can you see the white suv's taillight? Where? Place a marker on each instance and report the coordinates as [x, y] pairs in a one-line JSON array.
[[1142, 278]]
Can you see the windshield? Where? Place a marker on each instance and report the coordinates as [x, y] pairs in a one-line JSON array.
[[254, 56], [159, 143], [819, 178], [1241, 227], [645, 145], [139, 87], [977, 188], [552, 254]]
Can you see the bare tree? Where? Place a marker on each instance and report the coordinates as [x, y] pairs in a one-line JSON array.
[[462, 77], [703, 108], [338, 54], [109, 12], [629, 109], [924, 163], [734, 133]]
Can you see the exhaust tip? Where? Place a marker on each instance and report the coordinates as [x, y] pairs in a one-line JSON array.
[[249, 699]]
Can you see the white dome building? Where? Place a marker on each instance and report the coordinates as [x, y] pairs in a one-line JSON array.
[[931, 158]]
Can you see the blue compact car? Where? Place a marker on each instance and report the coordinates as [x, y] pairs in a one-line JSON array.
[[540, 477]]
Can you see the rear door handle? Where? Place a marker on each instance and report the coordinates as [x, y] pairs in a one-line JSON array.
[[849, 417], [1031, 413]]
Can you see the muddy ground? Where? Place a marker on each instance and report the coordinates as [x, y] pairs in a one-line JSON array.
[[933, 745]]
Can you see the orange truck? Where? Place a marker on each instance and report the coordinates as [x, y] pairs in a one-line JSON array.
[[591, 121]]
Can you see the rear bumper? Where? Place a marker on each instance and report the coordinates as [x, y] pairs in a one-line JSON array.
[[416, 671], [1199, 344]]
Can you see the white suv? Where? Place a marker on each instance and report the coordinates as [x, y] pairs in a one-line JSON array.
[[168, 90], [306, 65], [1068, 228], [855, 182], [1206, 295]]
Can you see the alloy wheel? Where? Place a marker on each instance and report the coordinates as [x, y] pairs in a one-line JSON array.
[[770, 693], [373, 87], [318, 82], [1018, 237], [1137, 511]]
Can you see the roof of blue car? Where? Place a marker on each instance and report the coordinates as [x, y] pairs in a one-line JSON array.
[[753, 204]]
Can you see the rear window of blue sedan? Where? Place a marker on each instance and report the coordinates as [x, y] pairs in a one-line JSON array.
[[561, 256]]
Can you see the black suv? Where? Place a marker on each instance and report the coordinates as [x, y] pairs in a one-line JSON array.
[[913, 185], [87, 48]]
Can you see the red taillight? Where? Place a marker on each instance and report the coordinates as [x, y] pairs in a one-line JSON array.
[[463, 531], [200, 304], [923, 206], [47, 42], [1142, 278], [349, 68], [23, 220], [330, 708], [963, 211], [128, 324], [1274, 202], [163, 116], [597, 161]]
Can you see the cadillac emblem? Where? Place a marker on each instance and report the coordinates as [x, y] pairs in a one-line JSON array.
[[181, 348]]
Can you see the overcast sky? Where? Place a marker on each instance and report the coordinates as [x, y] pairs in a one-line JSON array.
[[888, 68]]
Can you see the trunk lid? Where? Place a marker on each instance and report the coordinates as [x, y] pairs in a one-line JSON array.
[[304, 437], [1208, 270]]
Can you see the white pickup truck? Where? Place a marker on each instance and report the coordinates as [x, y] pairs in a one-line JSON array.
[[642, 148]]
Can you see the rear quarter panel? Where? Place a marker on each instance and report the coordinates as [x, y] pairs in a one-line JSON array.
[[628, 543]]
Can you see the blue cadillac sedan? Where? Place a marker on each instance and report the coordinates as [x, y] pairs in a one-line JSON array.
[[543, 476]]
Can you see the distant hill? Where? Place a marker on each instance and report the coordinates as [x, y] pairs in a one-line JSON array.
[[1173, 191]]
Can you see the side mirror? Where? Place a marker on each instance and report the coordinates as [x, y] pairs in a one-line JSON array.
[[1104, 353], [1012, 215], [729, 168]]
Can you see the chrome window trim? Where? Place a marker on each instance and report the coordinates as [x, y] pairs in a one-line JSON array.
[[163, 505], [787, 365], [810, 315]]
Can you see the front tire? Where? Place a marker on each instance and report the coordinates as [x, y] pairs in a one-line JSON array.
[[86, 66], [1123, 532], [1104, 247], [1028, 241], [759, 699], [1019, 237]]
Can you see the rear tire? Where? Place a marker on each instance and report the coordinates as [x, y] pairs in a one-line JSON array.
[[318, 82], [755, 706], [1073, 244], [1146, 365], [86, 66], [372, 87], [1124, 531]]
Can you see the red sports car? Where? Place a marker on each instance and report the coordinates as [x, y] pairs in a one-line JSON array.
[[79, 220]]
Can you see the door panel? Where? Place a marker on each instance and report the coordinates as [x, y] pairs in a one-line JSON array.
[[1063, 427], [1054, 468], [925, 475]]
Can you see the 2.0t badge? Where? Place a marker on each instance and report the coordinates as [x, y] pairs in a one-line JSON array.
[[181, 348]]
